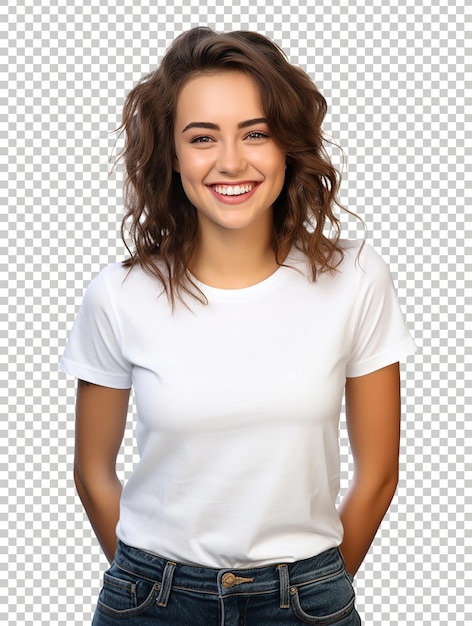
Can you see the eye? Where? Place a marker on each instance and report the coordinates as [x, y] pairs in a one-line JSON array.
[[201, 139], [257, 135]]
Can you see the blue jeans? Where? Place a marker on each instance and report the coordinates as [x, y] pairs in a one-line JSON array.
[[141, 588]]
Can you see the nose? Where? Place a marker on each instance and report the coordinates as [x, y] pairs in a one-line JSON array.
[[230, 159]]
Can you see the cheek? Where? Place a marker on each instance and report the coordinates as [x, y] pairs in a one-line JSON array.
[[273, 163], [194, 166]]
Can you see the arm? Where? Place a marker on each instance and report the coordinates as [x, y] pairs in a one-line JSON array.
[[373, 421], [100, 423]]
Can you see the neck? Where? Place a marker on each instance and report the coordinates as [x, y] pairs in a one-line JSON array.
[[233, 259]]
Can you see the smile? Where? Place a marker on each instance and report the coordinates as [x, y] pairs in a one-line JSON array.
[[233, 190]]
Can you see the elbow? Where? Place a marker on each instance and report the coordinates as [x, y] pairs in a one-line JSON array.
[[388, 481], [387, 487], [390, 485], [92, 482], [392, 478], [84, 484], [77, 479], [377, 483], [79, 483]]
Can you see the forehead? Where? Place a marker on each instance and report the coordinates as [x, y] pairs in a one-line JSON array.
[[222, 94]]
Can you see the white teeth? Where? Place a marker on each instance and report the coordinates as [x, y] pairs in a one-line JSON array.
[[236, 190]]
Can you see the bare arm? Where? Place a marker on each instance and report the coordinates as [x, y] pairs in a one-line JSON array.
[[373, 420], [100, 423]]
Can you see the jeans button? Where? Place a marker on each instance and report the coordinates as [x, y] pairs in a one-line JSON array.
[[228, 580]]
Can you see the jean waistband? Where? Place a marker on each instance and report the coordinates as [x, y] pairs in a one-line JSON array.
[[227, 581]]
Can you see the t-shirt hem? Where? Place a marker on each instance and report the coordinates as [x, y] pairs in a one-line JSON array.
[[229, 561], [393, 355], [93, 376]]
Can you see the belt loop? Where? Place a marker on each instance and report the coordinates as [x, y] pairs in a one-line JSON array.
[[284, 586], [166, 584]]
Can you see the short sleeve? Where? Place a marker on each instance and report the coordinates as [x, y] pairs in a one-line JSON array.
[[93, 352], [380, 335]]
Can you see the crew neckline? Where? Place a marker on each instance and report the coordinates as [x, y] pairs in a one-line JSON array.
[[239, 293]]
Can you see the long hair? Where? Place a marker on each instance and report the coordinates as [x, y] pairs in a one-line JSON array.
[[162, 221]]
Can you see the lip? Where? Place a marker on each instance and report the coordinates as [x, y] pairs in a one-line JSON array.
[[233, 183], [234, 199]]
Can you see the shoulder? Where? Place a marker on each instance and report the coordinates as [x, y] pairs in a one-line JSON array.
[[106, 281], [123, 291], [361, 260], [110, 274], [359, 249], [359, 264], [356, 254], [116, 279], [113, 285]]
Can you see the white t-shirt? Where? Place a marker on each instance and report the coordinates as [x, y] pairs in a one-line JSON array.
[[238, 403]]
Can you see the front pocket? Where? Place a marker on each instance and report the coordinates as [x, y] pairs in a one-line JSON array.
[[119, 598], [323, 602]]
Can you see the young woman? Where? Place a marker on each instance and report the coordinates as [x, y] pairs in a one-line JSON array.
[[239, 320]]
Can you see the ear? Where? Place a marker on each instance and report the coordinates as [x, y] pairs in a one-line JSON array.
[[176, 165]]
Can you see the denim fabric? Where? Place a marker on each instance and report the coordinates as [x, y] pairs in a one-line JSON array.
[[143, 589]]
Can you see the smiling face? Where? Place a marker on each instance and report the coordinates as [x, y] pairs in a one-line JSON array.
[[231, 169]]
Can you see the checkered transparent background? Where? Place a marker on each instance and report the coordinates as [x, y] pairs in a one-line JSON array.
[[394, 75]]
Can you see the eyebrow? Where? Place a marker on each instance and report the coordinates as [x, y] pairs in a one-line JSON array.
[[211, 126]]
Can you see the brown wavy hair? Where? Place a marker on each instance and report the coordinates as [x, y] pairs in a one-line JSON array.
[[163, 223]]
